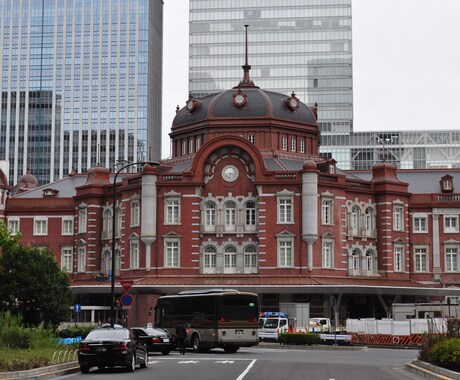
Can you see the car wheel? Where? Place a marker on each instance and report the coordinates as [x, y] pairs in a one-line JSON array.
[[165, 352], [196, 343], [84, 368], [145, 362], [132, 365]]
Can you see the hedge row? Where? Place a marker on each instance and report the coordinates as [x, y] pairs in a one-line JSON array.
[[299, 339]]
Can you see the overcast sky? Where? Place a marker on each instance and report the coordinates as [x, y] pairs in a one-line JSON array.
[[406, 64]]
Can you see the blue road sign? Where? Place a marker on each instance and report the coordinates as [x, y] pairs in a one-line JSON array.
[[126, 299], [77, 308]]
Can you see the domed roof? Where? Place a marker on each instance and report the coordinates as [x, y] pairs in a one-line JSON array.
[[28, 181], [256, 104]]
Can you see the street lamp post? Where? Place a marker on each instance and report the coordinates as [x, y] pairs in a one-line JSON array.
[[114, 192]]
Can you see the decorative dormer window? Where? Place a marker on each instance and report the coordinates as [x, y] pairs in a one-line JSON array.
[[239, 98], [192, 104], [447, 184], [50, 192], [292, 102]]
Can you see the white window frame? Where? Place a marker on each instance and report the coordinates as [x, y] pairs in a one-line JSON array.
[[230, 259], [118, 221], [420, 224], [135, 213], [284, 143], [252, 138], [398, 252], [82, 220], [67, 225], [172, 210], [451, 258], [134, 253], [285, 252], [250, 215], [210, 259], [190, 145], [230, 209], [450, 223], [302, 145], [285, 210], [81, 258], [420, 259], [355, 218], [40, 226], [13, 225], [172, 253], [293, 144], [327, 255], [67, 259], [210, 215], [184, 147], [398, 218], [327, 207], [197, 143]]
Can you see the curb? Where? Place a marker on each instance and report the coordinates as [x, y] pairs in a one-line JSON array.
[[429, 371], [42, 373], [312, 347]]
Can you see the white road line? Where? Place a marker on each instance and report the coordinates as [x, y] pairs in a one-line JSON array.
[[245, 372]]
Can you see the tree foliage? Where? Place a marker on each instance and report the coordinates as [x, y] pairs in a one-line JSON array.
[[32, 284]]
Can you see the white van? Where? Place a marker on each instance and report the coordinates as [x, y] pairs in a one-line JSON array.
[[271, 324]]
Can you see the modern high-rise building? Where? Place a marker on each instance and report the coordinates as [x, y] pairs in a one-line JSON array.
[[81, 84], [301, 46]]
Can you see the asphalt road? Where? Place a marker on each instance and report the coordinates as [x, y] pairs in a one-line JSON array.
[[259, 363]]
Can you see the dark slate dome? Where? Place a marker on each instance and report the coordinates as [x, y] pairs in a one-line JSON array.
[[258, 103]]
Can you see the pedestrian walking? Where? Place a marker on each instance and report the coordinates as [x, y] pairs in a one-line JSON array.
[[181, 335]]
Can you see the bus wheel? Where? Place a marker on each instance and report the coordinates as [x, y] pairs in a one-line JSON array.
[[231, 349], [196, 343]]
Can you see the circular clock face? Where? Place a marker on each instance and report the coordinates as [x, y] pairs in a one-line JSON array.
[[230, 173], [293, 102], [239, 99], [190, 105]]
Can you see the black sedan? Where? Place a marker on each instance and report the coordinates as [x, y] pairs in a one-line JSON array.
[[156, 340], [112, 347]]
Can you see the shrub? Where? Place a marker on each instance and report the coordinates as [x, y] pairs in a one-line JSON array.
[[299, 338], [446, 354], [75, 331]]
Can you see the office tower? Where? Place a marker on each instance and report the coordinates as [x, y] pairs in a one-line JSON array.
[[301, 46], [81, 84]]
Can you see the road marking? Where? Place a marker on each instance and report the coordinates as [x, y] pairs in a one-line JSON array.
[[245, 372], [225, 361], [154, 361], [188, 362]]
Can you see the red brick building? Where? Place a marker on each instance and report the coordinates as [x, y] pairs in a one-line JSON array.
[[246, 202]]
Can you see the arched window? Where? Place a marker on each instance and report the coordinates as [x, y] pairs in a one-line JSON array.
[[250, 259], [355, 268], [118, 220], [210, 258], [251, 215], [370, 262], [369, 221], [230, 259], [106, 264], [210, 214], [354, 219], [230, 215], [107, 224]]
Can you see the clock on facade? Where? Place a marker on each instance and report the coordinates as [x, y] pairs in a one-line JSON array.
[[230, 173]]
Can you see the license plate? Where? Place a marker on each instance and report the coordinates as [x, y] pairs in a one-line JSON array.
[[166, 340], [239, 332], [101, 349]]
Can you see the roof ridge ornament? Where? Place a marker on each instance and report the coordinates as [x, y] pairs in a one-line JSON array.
[[246, 81]]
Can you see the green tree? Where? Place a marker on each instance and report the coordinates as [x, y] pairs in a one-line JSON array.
[[32, 284]]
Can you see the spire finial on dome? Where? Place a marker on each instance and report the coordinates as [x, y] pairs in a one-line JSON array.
[[246, 82]]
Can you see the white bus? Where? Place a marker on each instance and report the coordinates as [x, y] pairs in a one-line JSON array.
[[214, 318]]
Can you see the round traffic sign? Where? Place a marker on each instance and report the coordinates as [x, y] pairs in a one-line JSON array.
[[126, 299], [77, 308]]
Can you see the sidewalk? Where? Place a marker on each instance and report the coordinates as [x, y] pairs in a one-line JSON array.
[[42, 373]]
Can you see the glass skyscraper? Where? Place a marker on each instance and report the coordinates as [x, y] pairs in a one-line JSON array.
[[301, 46], [81, 84]]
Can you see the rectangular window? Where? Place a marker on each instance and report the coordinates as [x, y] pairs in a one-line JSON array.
[[67, 259], [285, 249], [327, 254], [81, 259], [197, 143], [326, 211], [450, 224], [420, 259], [210, 260], [82, 220], [399, 259], [67, 226], [134, 254], [252, 138], [302, 146], [293, 144], [172, 253], [398, 218], [284, 143], [184, 147], [172, 211], [230, 260], [135, 213], [420, 224], [285, 210], [40, 226], [13, 226], [451, 259], [250, 260]]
